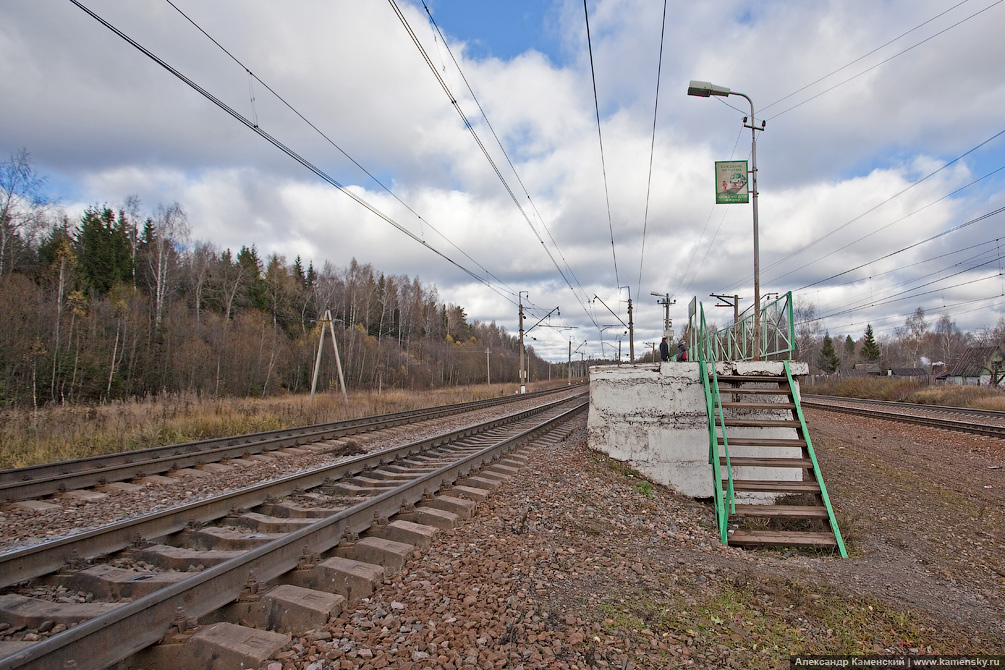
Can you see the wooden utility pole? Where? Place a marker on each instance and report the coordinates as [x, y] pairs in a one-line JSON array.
[[326, 322]]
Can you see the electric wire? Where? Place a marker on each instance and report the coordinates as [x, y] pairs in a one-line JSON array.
[[285, 149], [871, 209], [652, 151], [474, 134], [882, 228], [600, 136], [884, 61], [446, 45], [253, 77], [863, 57], [910, 246]]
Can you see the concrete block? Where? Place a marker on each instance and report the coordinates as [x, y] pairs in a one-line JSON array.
[[213, 468], [479, 482], [503, 468], [226, 539], [239, 462], [123, 487], [264, 458], [493, 475], [36, 506], [187, 472], [20, 610], [293, 609], [176, 558], [388, 553], [471, 493], [84, 495], [462, 507], [350, 579], [431, 516], [155, 479], [272, 524], [407, 532], [222, 646], [111, 583]]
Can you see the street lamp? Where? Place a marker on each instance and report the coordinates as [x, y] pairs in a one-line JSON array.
[[704, 89]]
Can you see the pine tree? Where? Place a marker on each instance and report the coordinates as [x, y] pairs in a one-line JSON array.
[[870, 350], [828, 359]]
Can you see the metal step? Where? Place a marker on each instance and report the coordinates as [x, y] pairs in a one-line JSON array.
[[748, 538], [759, 423], [766, 462], [750, 379], [737, 441], [774, 486], [782, 511], [756, 405]]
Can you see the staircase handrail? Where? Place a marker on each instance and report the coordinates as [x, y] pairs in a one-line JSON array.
[[816, 467], [736, 343], [706, 353]]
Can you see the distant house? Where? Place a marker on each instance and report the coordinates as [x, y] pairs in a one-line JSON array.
[[978, 366], [908, 372]]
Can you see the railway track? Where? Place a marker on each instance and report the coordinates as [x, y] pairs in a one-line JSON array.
[[979, 422], [42, 480], [149, 579]]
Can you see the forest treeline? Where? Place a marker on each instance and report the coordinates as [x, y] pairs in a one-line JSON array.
[[118, 305]]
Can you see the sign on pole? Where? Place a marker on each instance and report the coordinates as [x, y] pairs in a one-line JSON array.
[[731, 182]]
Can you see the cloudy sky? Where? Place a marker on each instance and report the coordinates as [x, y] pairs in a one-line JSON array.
[[883, 122]]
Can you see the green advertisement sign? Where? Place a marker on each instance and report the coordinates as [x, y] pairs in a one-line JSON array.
[[731, 183]]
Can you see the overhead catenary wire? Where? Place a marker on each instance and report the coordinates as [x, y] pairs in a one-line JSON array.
[[600, 136], [509, 161], [652, 151], [253, 77], [883, 62], [285, 149], [474, 134]]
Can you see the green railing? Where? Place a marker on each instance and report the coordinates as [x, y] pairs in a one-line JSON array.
[[816, 467], [736, 343], [703, 350]]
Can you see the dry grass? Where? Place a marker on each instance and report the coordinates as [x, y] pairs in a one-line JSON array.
[[880, 388], [60, 433]]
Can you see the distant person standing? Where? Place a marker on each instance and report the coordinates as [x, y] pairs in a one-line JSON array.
[[664, 350], [681, 351]]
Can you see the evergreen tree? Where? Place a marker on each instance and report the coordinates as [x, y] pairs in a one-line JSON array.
[[870, 350], [849, 347], [104, 250], [828, 359]]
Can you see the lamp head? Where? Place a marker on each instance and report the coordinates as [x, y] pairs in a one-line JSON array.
[[703, 89]]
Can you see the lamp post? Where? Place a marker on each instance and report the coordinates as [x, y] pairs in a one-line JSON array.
[[704, 89]]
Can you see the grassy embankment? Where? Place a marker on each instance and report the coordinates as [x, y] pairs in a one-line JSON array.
[[880, 388], [49, 434]]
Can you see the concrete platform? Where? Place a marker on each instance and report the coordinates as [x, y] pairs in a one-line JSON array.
[[654, 419]]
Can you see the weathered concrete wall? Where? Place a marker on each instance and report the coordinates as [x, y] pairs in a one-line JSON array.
[[654, 419]]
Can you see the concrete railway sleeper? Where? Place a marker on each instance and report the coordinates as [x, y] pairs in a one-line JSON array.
[[50, 478], [308, 545]]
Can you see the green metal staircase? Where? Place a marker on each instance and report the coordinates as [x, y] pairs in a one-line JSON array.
[[756, 424]]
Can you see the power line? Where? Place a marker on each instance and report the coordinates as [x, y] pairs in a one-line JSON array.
[[516, 174], [863, 57], [883, 62], [253, 77], [600, 136], [282, 147], [652, 151], [478, 141]]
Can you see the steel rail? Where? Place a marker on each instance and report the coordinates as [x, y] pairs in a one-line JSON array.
[[40, 559], [46, 479], [112, 637], [970, 411], [932, 422]]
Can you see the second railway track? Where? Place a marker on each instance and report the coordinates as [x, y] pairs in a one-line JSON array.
[[978, 422], [161, 572]]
